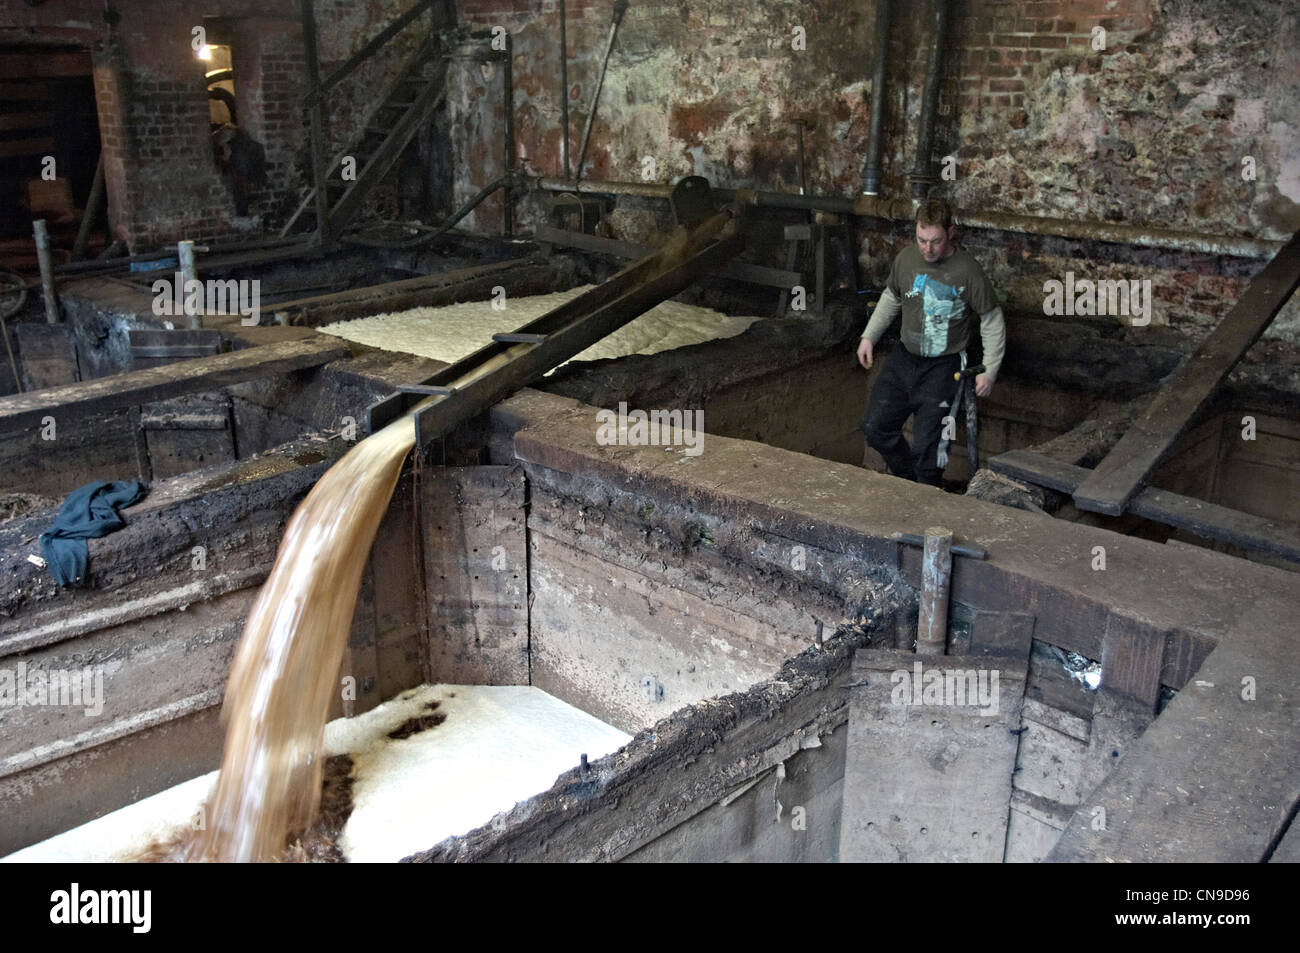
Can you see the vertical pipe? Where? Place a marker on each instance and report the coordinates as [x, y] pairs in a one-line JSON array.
[[92, 206], [936, 574], [508, 226], [185, 254], [564, 90], [803, 170], [922, 178], [317, 119], [871, 174], [47, 270]]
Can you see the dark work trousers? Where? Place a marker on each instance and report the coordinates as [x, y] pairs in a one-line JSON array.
[[910, 385]]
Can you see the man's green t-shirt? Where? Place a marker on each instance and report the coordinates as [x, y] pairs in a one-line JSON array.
[[938, 300]]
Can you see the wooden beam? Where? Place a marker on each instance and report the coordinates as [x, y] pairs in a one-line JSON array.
[[20, 411], [1208, 520], [1117, 478], [360, 56], [316, 119]]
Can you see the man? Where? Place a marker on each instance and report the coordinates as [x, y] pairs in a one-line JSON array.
[[938, 287]]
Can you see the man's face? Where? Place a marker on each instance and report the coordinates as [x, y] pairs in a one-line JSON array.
[[935, 243]]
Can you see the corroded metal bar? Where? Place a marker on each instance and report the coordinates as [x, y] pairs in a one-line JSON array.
[[936, 578]]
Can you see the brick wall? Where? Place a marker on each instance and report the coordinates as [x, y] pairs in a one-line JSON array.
[[162, 178], [1149, 131]]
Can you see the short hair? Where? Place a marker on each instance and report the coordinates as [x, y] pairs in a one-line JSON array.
[[934, 211]]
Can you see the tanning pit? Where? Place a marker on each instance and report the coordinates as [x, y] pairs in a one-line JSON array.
[[733, 619]]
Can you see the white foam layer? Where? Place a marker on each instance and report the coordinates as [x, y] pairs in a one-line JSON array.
[[500, 744], [456, 331]]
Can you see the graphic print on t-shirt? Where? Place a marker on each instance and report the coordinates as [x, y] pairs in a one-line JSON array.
[[941, 304]]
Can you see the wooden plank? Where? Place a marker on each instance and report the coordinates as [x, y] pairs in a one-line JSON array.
[[19, 411], [48, 354], [155, 347], [46, 63], [26, 147], [928, 778], [27, 92], [1132, 659], [1118, 477], [1002, 634], [1173, 509], [476, 559], [9, 121]]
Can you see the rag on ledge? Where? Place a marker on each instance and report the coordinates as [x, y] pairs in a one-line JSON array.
[[89, 512]]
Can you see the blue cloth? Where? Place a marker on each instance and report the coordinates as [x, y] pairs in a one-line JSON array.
[[89, 512]]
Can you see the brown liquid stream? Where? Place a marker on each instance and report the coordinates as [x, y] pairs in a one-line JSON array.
[[284, 674]]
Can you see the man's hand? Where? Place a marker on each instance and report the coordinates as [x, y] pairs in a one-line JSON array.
[[865, 355], [983, 386]]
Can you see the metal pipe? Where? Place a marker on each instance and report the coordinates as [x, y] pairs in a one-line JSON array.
[[564, 89], [317, 119], [464, 210], [620, 7], [47, 271], [871, 173], [903, 210], [936, 577], [185, 253], [508, 220], [922, 178]]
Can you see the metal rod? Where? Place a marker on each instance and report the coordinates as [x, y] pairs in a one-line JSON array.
[[564, 88], [92, 206], [871, 174], [620, 7], [936, 576], [972, 426], [462, 212], [317, 119], [185, 253], [47, 271], [916, 539], [903, 210], [508, 218]]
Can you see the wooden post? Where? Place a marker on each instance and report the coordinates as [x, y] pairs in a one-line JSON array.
[[188, 273], [936, 576], [47, 270]]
